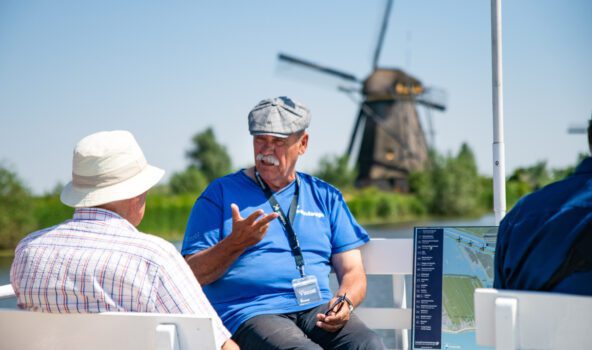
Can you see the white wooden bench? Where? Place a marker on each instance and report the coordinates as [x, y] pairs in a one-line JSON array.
[[25, 330], [381, 257], [510, 319]]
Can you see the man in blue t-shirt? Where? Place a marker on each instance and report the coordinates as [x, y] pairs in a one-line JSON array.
[[544, 243], [267, 274]]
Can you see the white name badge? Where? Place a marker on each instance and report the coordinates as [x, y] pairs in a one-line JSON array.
[[306, 289]]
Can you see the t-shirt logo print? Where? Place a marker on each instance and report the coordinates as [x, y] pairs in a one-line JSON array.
[[315, 214]]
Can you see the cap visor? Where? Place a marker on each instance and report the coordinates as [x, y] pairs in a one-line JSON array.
[[283, 136]]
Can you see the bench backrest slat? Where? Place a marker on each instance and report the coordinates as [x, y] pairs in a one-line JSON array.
[[120, 330]]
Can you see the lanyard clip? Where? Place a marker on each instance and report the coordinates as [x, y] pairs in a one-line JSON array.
[[301, 269]]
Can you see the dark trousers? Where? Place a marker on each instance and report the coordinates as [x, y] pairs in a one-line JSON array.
[[298, 330]]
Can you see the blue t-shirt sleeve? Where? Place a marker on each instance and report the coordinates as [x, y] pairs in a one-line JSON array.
[[205, 223], [347, 234]]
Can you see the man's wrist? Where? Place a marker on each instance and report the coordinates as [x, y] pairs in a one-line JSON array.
[[232, 245], [350, 304]]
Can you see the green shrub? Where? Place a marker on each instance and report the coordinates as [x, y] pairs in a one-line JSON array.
[[450, 185], [371, 204], [50, 211], [191, 181], [16, 217], [335, 170], [167, 215]]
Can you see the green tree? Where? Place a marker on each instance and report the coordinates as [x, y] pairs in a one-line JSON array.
[[16, 217], [466, 185], [535, 176], [209, 156], [531, 178], [334, 170], [450, 185], [189, 181], [423, 183]]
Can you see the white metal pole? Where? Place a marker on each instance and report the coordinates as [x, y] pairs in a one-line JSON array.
[[499, 166]]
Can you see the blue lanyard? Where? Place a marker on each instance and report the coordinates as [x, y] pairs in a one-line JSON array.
[[286, 221]]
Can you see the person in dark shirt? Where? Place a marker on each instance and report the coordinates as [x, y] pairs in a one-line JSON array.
[[545, 241]]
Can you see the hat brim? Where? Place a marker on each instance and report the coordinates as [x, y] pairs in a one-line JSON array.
[[283, 136], [80, 197]]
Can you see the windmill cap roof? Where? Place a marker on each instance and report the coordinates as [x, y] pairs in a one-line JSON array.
[[279, 116]]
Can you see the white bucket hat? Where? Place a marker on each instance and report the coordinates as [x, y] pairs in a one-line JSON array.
[[108, 166]]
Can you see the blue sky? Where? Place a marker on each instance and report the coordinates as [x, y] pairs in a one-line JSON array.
[[166, 70]]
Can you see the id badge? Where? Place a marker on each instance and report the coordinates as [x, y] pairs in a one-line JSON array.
[[306, 289]]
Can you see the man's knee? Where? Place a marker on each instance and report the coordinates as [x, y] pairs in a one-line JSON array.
[[372, 341], [364, 339], [359, 337]]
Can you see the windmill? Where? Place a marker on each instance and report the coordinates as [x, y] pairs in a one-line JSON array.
[[392, 142]]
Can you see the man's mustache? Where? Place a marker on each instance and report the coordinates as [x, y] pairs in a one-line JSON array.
[[269, 159]]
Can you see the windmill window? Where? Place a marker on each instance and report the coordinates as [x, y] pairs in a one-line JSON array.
[[389, 155]]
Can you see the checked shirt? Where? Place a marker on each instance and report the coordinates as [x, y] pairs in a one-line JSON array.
[[99, 262]]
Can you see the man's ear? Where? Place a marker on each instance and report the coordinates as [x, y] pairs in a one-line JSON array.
[[303, 144]]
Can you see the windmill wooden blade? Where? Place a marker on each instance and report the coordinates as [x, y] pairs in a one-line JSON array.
[[318, 67], [387, 12], [433, 98], [354, 135], [577, 129]]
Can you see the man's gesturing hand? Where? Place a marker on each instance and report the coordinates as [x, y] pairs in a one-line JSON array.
[[248, 232]]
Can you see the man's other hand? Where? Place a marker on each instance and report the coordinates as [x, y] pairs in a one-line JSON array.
[[336, 318]]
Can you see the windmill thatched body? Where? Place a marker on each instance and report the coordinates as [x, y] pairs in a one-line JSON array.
[[393, 142]]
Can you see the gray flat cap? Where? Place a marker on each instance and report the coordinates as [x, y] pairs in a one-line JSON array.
[[280, 117]]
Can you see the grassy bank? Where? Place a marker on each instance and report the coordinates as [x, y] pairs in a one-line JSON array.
[[166, 215], [6, 253]]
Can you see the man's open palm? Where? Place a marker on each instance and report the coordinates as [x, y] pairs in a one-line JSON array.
[[249, 231]]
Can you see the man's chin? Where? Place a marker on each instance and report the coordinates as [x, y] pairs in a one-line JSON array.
[[268, 172]]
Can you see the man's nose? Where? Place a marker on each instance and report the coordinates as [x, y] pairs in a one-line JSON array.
[[268, 147]]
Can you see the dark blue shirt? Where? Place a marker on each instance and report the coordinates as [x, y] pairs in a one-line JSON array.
[[535, 238], [260, 280]]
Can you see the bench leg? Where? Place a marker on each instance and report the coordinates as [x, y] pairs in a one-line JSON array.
[[400, 299]]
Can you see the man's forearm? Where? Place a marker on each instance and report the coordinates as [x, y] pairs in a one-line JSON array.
[[212, 263], [354, 284]]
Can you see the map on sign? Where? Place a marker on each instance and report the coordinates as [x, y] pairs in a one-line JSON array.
[[449, 263]]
